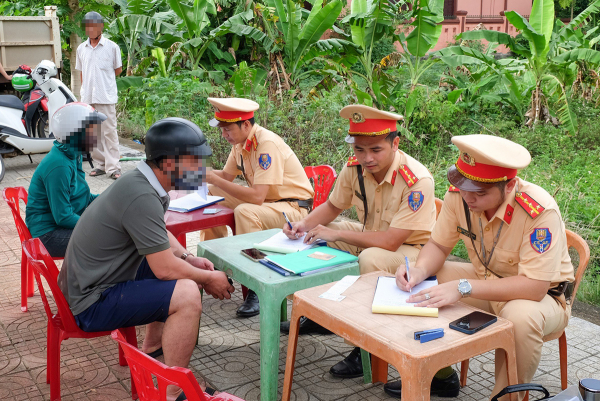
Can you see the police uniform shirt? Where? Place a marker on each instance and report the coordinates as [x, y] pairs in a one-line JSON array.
[[268, 160], [405, 199], [532, 242]]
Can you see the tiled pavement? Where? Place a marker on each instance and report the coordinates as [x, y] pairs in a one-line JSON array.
[[227, 355]]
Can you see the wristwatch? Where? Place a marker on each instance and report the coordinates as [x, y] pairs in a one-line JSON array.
[[184, 255], [464, 287]]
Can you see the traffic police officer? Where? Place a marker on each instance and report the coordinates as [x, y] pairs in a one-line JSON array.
[[276, 180], [394, 198], [519, 267]]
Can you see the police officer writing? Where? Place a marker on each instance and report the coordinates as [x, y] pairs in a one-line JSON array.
[[276, 180], [515, 237], [394, 197]]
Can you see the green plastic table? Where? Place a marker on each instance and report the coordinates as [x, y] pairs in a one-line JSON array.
[[272, 289]]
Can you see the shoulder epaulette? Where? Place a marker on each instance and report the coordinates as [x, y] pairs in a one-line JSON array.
[[352, 161], [529, 204], [410, 178], [251, 143], [453, 189]]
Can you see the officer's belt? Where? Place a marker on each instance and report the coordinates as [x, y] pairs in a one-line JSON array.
[[305, 204], [562, 293]]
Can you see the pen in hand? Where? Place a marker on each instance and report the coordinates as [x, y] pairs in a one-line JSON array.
[[407, 274], [289, 223]]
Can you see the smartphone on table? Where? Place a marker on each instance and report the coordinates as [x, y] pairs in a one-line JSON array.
[[253, 254], [473, 322]]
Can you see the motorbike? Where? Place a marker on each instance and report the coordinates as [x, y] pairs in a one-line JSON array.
[[35, 103], [20, 129]]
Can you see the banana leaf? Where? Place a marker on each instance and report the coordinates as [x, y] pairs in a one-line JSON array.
[[426, 30], [537, 42]]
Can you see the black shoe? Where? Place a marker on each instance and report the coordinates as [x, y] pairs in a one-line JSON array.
[[350, 367], [250, 307], [307, 326], [445, 388]]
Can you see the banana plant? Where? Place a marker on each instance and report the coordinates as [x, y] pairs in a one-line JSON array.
[[138, 26], [483, 72], [302, 31], [546, 70], [370, 21]]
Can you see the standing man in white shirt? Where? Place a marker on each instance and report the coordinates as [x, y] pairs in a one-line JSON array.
[[99, 61]]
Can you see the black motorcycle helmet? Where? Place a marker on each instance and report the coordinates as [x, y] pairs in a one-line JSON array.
[[175, 136]]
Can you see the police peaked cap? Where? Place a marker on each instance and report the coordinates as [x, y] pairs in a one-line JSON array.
[[175, 136]]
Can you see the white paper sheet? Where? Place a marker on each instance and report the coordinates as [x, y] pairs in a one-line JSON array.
[[335, 292], [388, 293], [203, 191], [280, 243]]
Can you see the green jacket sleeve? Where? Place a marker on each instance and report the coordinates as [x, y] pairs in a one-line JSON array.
[[58, 184]]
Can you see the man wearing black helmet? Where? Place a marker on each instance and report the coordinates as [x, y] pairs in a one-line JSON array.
[[99, 62], [123, 268]]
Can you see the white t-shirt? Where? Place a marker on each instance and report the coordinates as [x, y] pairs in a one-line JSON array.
[[98, 65]]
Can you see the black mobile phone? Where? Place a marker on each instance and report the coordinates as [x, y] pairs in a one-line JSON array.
[[253, 254], [473, 322]]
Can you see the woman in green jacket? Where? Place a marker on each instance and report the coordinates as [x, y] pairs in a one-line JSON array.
[[58, 193]]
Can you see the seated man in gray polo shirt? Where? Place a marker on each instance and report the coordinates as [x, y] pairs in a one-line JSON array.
[[123, 268]]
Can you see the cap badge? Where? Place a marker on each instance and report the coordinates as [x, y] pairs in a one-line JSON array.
[[357, 117], [467, 158]]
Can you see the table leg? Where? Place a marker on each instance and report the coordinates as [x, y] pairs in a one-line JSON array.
[[511, 369], [366, 365], [283, 314], [182, 240], [269, 345], [416, 381], [379, 369], [291, 355]]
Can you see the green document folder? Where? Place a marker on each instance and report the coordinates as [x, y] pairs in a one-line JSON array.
[[300, 262]]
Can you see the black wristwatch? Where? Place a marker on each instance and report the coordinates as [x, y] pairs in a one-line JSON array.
[[184, 255]]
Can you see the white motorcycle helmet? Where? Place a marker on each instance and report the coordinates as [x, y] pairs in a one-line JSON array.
[[72, 119], [45, 70]]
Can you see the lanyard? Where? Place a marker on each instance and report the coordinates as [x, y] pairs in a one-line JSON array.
[[241, 168], [484, 261]]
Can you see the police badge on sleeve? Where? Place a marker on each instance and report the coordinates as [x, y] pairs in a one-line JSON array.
[[264, 161], [415, 200], [540, 239]]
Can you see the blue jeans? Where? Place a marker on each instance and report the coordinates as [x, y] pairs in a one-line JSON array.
[[56, 241]]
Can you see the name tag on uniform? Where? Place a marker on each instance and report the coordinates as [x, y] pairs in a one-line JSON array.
[[359, 196], [466, 233]]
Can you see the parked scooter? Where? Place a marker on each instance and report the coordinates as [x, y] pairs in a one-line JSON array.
[[17, 136], [35, 103]]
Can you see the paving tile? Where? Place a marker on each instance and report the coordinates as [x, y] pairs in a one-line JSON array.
[[19, 386]]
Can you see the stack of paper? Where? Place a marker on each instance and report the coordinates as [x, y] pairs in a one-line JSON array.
[[280, 243], [392, 300], [197, 200]]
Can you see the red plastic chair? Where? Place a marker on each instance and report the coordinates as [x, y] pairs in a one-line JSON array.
[[12, 196], [323, 178], [61, 325], [143, 368]]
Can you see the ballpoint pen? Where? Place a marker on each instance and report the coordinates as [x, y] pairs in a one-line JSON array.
[[288, 221], [407, 274]]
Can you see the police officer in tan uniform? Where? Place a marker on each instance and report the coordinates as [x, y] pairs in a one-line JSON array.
[[276, 180], [394, 197], [519, 262]]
